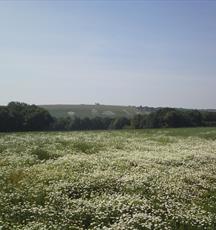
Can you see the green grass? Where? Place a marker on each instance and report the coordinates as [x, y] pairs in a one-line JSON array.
[[129, 179]]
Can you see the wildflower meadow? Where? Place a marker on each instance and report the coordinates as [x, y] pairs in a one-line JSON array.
[[128, 179]]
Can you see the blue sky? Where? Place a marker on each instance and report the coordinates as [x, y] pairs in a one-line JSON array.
[[155, 53]]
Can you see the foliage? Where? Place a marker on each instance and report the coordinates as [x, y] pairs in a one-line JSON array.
[[76, 123], [23, 117], [173, 118], [119, 123]]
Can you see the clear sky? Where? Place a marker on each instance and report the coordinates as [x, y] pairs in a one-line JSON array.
[[154, 53]]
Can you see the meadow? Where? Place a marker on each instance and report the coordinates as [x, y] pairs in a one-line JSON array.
[[128, 179]]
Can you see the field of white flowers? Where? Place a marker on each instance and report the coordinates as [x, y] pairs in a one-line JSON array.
[[147, 179]]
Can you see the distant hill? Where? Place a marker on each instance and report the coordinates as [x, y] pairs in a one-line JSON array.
[[83, 110], [90, 111]]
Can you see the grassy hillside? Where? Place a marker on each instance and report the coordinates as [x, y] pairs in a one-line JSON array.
[[138, 179], [90, 110]]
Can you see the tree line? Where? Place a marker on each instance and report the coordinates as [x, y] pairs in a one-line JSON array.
[[18, 116], [174, 118]]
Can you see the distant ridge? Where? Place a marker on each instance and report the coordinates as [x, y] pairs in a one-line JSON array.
[[88, 110], [84, 110]]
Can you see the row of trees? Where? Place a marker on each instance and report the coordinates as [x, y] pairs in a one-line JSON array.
[[162, 118], [174, 118], [23, 117], [168, 117], [96, 123], [18, 116]]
